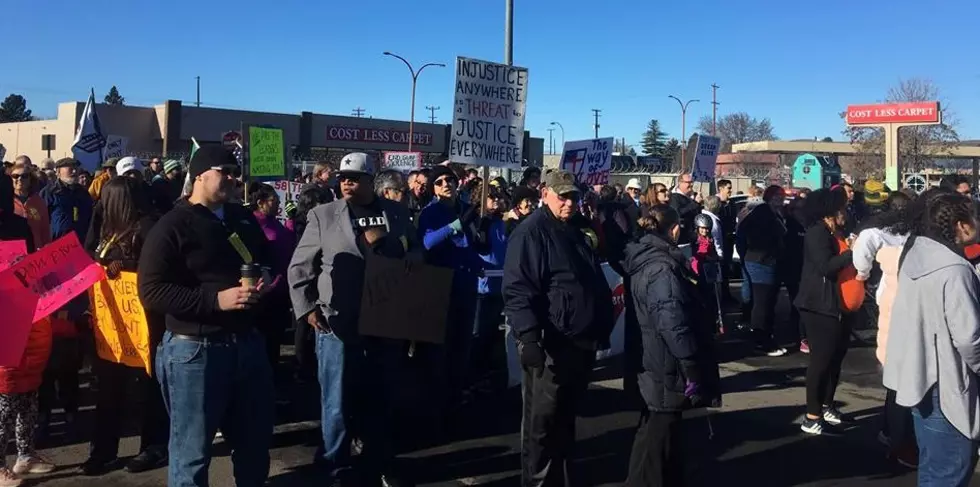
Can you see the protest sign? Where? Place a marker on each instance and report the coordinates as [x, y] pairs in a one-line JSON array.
[[405, 301], [115, 146], [705, 158], [488, 119], [287, 191], [122, 335], [589, 160], [47, 279], [402, 161], [266, 157], [11, 251]]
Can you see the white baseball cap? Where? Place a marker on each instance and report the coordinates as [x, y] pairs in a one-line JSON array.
[[634, 183], [128, 164], [357, 162]]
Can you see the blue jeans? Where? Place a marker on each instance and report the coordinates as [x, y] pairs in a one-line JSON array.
[[946, 457], [210, 383], [330, 355]]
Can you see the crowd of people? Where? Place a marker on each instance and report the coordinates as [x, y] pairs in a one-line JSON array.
[[222, 278]]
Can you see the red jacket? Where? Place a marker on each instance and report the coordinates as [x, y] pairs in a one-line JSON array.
[[27, 376]]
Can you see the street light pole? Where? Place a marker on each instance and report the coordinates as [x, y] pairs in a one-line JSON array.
[[415, 80], [683, 105], [562, 134], [508, 52]]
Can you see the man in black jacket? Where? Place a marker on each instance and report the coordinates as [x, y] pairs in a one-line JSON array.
[[212, 364], [688, 205], [559, 307]]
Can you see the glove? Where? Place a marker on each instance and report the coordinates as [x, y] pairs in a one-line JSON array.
[[457, 226], [532, 355], [470, 215]]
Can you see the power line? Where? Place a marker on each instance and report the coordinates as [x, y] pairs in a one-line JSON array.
[[358, 112], [595, 112], [432, 113]]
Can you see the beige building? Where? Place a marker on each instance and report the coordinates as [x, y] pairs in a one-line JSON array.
[[166, 130]]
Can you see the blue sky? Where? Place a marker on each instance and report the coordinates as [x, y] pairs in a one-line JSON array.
[[797, 63]]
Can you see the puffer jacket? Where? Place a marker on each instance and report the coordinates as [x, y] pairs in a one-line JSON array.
[[675, 328], [27, 376], [887, 258]]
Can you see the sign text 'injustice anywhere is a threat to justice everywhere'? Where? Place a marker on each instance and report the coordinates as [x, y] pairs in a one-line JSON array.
[[488, 115]]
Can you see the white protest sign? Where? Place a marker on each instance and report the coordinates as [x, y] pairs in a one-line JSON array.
[[402, 161], [705, 158], [115, 146], [488, 119], [589, 160], [287, 191]]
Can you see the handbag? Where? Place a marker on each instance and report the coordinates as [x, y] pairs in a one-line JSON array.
[[851, 289]]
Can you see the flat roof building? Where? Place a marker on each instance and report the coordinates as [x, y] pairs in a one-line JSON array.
[[166, 130]]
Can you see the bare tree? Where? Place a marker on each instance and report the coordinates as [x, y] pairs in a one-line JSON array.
[[917, 145], [737, 128]]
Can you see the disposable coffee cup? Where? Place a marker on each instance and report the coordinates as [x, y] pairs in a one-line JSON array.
[[250, 275]]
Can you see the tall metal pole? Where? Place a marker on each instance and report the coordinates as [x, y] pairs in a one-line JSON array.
[[508, 51], [415, 79], [551, 141], [714, 108], [595, 111], [198, 91], [683, 127], [562, 134]]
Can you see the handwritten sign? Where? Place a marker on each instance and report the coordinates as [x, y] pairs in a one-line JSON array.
[[705, 159], [488, 118], [122, 335], [589, 160], [402, 161], [11, 251], [287, 191], [405, 302], [115, 146], [266, 157]]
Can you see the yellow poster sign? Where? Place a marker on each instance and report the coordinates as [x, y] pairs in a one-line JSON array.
[[121, 332]]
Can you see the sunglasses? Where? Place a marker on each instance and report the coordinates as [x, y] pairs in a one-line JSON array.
[[444, 181], [348, 178], [233, 171], [661, 191], [19, 177]]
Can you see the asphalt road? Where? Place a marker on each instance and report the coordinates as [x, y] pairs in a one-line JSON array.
[[756, 438]]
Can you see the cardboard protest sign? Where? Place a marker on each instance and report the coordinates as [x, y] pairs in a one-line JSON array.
[[287, 191], [589, 160], [402, 161], [405, 302], [266, 154], [47, 279], [705, 159], [488, 119], [11, 251], [122, 335], [115, 146]]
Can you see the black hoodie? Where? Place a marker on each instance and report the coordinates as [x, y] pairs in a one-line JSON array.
[[675, 341]]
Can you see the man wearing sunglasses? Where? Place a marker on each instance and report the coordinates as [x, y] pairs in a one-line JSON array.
[[559, 307], [211, 362], [326, 276]]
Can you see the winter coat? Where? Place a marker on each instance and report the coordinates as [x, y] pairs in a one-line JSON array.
[[887, 258], [35, 212], [27, 376], [675, 327], [70, 209], [822, 262], [761, 235]]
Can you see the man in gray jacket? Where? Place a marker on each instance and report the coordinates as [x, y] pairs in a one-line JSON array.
[[326, 276]]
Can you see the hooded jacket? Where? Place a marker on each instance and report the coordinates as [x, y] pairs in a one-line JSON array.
[[935, 333], [675, 328]]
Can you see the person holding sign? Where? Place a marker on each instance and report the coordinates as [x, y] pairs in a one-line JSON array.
[[211, 362], [559, 306], [326, 278], [126, 222]]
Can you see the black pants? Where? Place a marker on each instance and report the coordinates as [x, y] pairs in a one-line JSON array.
[[764, 298], [60, 383], [552, 396], [828, 337], [657, 459], [305, 346], [898, 424], [275, 317], [116, 383], [792, 283], [488, 360]]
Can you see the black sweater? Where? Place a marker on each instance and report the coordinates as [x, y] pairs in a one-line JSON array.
[[188, 259]]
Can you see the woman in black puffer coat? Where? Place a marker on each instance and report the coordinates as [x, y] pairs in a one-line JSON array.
[[674, 361]]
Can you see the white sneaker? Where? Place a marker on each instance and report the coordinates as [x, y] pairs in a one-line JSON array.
[[8, 479], [832, 416], [33, 464], [812, 426], [777, 352]]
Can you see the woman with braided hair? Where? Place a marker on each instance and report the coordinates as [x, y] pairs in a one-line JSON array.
[[933, 347]]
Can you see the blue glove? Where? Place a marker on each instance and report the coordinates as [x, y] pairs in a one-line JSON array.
[[457, 226]]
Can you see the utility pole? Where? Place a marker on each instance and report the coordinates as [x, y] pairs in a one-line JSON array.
[[714, 108], [508, 57], [595, 112], [198, 91], [551, 141], [358, 112], [432, 114]]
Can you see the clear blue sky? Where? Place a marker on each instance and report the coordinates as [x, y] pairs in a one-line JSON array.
[[797, 63]]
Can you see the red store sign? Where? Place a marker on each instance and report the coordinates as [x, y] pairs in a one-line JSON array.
[[377, 136], [917, 112]]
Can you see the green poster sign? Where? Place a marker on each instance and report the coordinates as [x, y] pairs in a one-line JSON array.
[[265, 152]]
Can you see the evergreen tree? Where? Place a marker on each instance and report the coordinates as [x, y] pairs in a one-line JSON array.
[[14, 109], [113, 97], [654, 140]]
